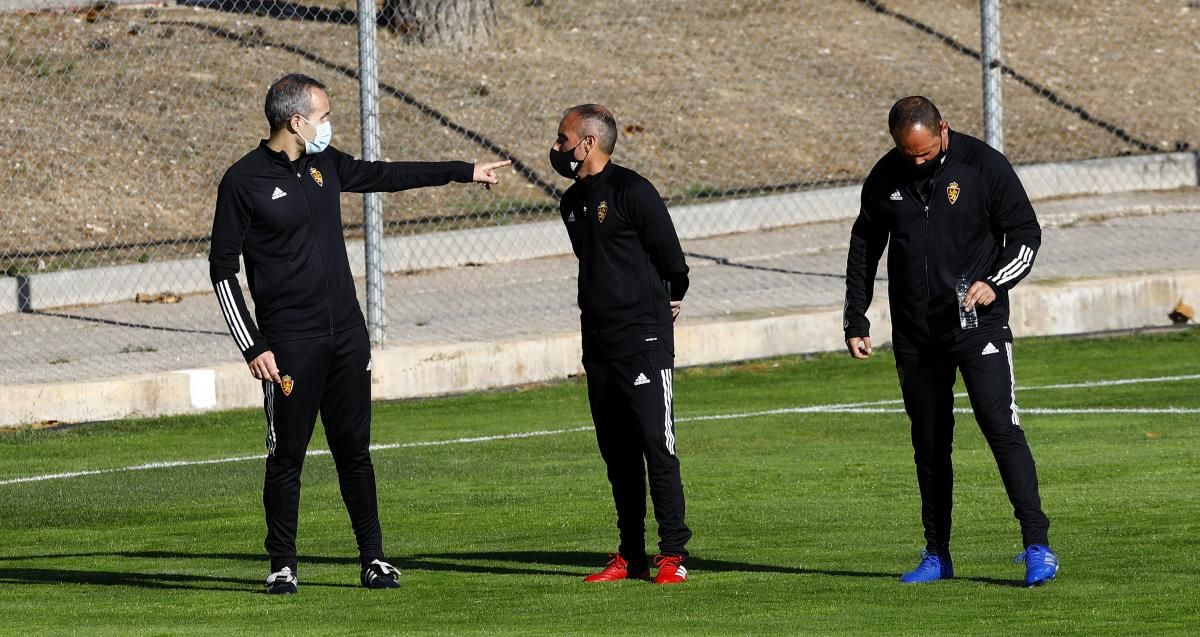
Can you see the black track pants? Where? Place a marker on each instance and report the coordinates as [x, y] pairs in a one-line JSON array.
[[329, 375], [927, 384], [632, 411]]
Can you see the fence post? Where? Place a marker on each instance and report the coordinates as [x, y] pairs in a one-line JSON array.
[[368, 89], [993, 107]]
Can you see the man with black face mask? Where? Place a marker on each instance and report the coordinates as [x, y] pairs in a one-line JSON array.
[[632, 278], [279, 208], [962, 234]]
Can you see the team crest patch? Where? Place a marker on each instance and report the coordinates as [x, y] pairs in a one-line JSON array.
[[952, 192], [317, 177], [602, 211], [286, 384]]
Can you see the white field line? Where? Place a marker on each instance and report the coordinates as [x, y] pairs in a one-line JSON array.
[[310, 453], [872, 407], [1037, 410]]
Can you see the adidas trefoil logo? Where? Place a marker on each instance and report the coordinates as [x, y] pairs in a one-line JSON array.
[[641, 380], [896, 196], [989, 349], [278, 193]]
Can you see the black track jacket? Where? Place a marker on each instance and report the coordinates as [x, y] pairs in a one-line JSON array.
[[628, 255], [973, 219], [285, 218]]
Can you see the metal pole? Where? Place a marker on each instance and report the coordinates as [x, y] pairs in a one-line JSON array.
[[993, 107], [368, 88]]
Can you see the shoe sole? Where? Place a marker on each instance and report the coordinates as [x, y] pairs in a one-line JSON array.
[[641, 576], [1041, 582]]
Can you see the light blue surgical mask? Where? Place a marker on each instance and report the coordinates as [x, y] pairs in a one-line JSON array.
[[319, 142]]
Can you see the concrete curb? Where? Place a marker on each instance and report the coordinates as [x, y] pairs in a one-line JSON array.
[[500, 244], [406, 372]]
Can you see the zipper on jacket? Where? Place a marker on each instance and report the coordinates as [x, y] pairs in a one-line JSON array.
[[925, 201], [587, 254], [925, 255], [312, 220]]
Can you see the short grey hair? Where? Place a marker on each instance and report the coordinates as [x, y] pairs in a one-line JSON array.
[[289, 95], [599, 122]]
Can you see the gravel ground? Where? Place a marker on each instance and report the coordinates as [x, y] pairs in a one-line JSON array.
[[116, 131], [532, 298]]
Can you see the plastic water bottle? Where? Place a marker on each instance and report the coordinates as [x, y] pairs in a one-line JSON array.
[[967, 319]]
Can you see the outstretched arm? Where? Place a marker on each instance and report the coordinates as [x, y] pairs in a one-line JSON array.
[[393, 176]]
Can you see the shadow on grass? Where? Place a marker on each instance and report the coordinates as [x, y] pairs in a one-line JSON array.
[[160, 581], [573, 564]]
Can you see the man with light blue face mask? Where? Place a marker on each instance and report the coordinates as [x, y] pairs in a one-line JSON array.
[[279, 208]]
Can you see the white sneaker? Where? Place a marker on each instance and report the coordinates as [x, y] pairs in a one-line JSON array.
[[281, 582], [380, 574]]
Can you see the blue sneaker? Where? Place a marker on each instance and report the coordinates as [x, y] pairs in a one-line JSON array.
[[931, 569], [1041, 564]]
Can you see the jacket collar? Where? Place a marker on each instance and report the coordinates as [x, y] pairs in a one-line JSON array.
[[592, 182], [278, 158]]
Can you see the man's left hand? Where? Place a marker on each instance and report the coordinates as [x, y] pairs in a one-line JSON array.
[[675, 307], [486, 173], [980, 293]]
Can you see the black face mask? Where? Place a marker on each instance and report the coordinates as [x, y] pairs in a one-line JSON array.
[[564, 162], [927, 169]]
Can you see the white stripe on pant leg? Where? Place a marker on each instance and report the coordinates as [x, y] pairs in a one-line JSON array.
[[270, 417], [1012, 384], [668, 432]]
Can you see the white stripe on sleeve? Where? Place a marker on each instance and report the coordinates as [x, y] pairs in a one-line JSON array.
[[1016, 268], [233, 318]]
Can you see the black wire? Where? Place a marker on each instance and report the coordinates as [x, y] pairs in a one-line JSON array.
[[764, 268], [144, 326], [1042, 91], [518, 166]]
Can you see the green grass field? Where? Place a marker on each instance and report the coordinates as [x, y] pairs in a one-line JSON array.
[[803, 520]]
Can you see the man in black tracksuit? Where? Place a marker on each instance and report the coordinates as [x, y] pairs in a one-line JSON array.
[[632, 278], [953, 209], [279, 208]]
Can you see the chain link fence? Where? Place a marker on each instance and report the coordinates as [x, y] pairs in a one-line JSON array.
[[119, 120]]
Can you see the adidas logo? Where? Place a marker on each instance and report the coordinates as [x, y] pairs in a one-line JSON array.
[[641, 380], [896, 196], [989, 349], [278, 193], [571, 217]]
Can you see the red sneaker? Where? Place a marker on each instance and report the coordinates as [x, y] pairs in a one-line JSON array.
[[670, 569], [618, 569]]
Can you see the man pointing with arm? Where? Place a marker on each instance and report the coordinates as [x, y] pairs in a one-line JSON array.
[[279, 208]]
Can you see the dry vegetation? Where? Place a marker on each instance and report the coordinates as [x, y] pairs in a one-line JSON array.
[[117, 131]]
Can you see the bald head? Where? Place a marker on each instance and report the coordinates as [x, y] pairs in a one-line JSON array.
[[913, 111], [918, 129]]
